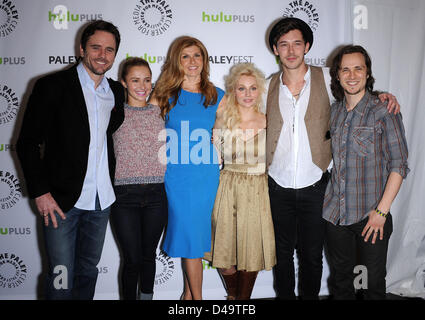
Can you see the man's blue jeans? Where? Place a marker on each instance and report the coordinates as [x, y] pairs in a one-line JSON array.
[[74, 250]]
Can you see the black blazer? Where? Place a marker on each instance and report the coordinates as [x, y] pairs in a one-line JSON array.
[[56, 117]]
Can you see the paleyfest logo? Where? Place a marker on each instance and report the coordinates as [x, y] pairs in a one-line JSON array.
[[9, 104], [230, 59], [305, 11], [8, 17], [152, 17], [13, 270]]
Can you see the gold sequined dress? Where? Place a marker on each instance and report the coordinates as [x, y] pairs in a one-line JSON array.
[[242, 227]]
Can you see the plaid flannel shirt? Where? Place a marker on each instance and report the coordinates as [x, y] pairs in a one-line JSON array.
[[368, 143]]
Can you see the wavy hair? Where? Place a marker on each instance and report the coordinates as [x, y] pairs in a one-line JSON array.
[[171, 78], [337, 89], [231, 116]]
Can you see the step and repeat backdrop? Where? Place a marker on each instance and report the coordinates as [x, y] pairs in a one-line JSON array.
[[39, 37]]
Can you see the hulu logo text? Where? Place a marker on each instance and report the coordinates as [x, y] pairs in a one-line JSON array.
[[150, 59], [61, 16], [222, 17]]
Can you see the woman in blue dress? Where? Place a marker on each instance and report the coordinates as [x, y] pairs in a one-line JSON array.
[[189, 103]]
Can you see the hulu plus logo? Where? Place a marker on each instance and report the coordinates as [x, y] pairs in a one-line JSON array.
[[231, 18], [149, 58], [61, 17], [12, 60]]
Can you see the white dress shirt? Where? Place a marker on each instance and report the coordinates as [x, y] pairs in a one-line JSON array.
[[292, 165], [99, 102]]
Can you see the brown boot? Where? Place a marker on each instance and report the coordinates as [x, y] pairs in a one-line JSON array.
[[246, 284], [231, 282]]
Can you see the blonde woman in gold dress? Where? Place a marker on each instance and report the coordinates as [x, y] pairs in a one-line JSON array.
[[242, 228]]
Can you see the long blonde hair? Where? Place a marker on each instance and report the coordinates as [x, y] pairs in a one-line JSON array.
[[231, 116], [171, 78]]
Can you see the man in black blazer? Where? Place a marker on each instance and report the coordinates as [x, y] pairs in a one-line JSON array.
[[66, 152]]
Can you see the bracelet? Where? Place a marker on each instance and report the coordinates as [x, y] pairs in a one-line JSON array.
[[381, 213]]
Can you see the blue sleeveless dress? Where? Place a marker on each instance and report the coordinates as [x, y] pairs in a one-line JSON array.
[[192, 176]]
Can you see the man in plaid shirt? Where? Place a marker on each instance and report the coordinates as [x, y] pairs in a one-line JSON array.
[[369, 152]]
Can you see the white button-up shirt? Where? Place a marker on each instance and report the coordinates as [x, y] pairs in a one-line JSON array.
[[99, 102], [292, 165]]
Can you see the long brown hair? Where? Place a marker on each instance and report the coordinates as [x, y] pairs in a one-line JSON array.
[[337, 90], [170, 81]]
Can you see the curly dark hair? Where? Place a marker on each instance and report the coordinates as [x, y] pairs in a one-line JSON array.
[[337, 90]]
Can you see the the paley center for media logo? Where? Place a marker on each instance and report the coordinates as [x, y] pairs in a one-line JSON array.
[[304, 10], [13, 270], [165, 268], [10, 190], [9, 104], [152, 17], [9, 17]]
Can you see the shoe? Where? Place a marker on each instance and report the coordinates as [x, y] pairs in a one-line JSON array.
[[145, 296]]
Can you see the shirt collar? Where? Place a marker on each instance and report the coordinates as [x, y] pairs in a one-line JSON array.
[[86, 81], [362, 105], [307, 77]]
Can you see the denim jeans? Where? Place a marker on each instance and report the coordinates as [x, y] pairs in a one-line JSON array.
[[346, 249], [74, 250], [138, 218], [298, 224]]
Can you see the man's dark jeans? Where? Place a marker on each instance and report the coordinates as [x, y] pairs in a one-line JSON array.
[[346, 249], [298, 223], [74, 249]]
